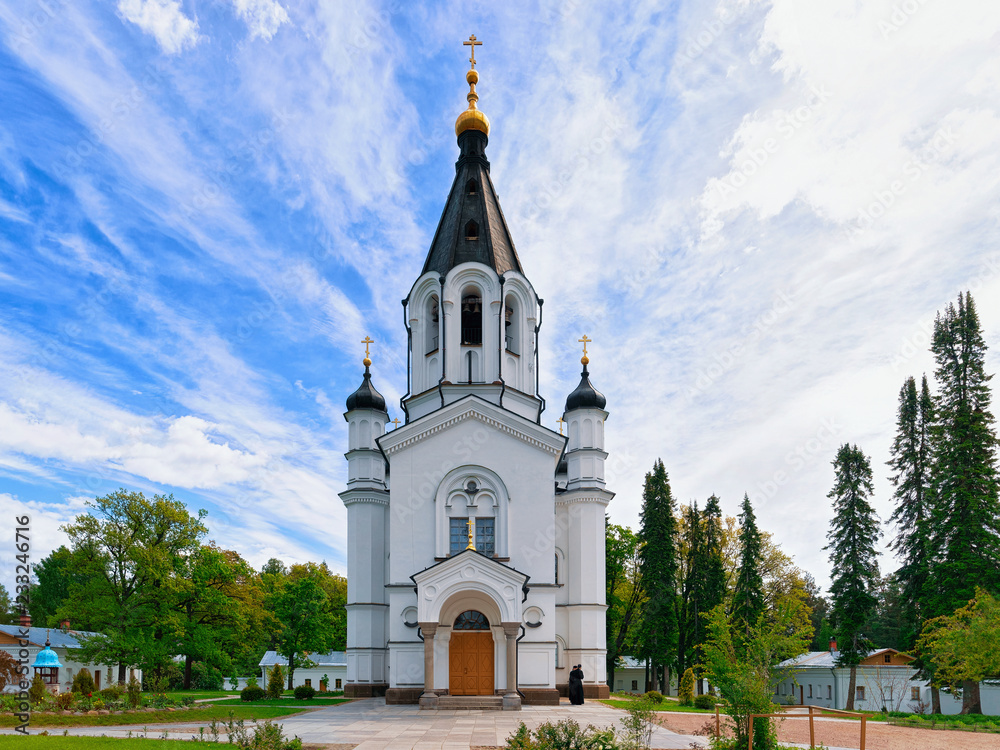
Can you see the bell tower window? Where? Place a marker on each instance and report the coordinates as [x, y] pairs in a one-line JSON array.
[[472, 319], [432, 326], [471, 187], [471, 230], [511, 325]]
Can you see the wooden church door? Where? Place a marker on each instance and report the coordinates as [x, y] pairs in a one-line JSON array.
[[470, 656]]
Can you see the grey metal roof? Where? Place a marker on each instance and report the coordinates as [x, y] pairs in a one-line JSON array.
[[332, 659], [493, 245], [825, 659], [630, 662], [57, 637]]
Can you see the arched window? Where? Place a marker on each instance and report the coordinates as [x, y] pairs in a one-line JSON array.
[[472, 187], [471, 620], [472, 317], [471, 230], [512, 322], [431, 324]]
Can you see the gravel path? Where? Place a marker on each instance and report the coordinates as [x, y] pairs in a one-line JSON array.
[[847, 734]]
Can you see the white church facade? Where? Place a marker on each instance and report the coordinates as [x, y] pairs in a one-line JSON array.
[[476, 534]]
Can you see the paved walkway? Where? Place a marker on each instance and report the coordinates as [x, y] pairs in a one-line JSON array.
[[372, 725]]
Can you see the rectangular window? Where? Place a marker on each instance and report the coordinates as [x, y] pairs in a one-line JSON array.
[[887, 658], [485, 537], [97, 679], [309, 683], [829, 693], [810, 695], [914, 694], [339, 685], [777, 689], [459, 535], [860, 693], [635, 686]]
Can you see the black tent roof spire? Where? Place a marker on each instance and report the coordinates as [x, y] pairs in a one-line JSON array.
[[472, 226]]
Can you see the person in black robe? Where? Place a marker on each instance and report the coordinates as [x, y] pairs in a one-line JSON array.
[[575, 689]]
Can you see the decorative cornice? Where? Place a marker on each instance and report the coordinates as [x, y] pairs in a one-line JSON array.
[[364, 496], [574, 497], [473, 410]]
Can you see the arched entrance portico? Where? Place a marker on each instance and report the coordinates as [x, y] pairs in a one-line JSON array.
[[469, 610]]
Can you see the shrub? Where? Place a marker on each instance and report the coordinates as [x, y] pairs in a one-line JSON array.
[[654, 696], [134, 692], [65, 701], [275, 683], [637, 726], [705, 702], [113, 693], [206, 677], [266, 736], [37, 692], [686, 692], [305, 692], [564, 735], [252, 693], [83, 683]]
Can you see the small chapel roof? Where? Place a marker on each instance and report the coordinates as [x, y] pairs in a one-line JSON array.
[[57, 637]]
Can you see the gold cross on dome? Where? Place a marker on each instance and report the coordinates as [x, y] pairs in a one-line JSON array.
[[396, 422], [472, 544], [367, 341], [472, 43], [585, 341], [561, 422]]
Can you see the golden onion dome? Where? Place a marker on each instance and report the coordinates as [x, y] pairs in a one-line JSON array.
[[472, 118]]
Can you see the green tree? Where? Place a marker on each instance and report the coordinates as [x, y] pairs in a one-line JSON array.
[[742, 665], [910, 463], [853, 534], [9, 613], [694, 566], [715, 567], [819, 612], [624, 594], [275, 683], [965, 646], [685, 694], [748, 592], [302, 608], [659, 566], [53, 576], [965, 519], [126, 550]]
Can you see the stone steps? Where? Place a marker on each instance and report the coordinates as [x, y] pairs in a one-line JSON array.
[[471, 702]]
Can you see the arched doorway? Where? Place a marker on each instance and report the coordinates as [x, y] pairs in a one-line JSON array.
[[470, 655]]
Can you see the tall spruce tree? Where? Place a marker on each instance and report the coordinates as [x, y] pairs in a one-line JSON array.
[[748, 592], [715, 567], [692, 630], [659, 566], [910, 462], [853, 533], [966, 515]]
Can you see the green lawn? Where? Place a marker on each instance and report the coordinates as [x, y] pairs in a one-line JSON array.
[[199, 694], [667, 705], [201, 714], [316, 702], [57, 742]]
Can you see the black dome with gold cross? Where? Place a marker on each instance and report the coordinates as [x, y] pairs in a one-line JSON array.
[[472, 226]]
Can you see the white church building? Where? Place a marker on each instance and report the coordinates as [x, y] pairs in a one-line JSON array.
[[476, 534]]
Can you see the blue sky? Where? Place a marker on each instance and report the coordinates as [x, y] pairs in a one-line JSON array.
[[754, 209]]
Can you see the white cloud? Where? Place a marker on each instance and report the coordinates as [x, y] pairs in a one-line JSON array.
[[164, 20], [262, 17]]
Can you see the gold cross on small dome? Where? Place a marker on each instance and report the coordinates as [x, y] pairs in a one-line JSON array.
[[561, 422], [396, 422], [472, 544], [368, 340], [472, 44], [585, 359]]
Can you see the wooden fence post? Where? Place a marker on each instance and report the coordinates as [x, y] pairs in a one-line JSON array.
[[863, 719], [717, 733], [812, 729]]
